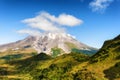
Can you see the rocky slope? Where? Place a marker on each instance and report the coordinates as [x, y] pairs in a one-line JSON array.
[[18, 44], [47, 41]]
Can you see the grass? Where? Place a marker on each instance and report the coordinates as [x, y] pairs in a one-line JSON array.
[[104, 65]]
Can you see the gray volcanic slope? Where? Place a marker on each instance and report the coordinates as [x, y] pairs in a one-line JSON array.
[[47, 41]]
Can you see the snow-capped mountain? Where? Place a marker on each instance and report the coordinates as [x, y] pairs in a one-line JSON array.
[[46, 41]]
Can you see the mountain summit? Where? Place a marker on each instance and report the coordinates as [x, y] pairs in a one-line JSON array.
[[48, 42]]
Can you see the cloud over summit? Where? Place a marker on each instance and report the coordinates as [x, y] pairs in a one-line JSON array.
[[30, 32], [49, 23]]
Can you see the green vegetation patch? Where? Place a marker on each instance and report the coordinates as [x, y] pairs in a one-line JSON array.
[[84, 74], [56, 51], [12, 57]]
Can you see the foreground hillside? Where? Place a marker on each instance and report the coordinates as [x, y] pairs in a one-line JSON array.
[[42, 66], [104, 65]]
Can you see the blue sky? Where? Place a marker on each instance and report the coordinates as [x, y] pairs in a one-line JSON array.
[[100, 18]]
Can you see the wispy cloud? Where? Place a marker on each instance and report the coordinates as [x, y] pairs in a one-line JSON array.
[[100, 5], [30, 32], [50, 23]]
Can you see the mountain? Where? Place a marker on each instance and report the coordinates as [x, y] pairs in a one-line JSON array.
[[104, 65], [25, 43], [50, 43]]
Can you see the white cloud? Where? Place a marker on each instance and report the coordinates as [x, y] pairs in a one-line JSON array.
[[62, 19], [30, 32], [68, 20], [100, 5], [50, 23], [40, 22]]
